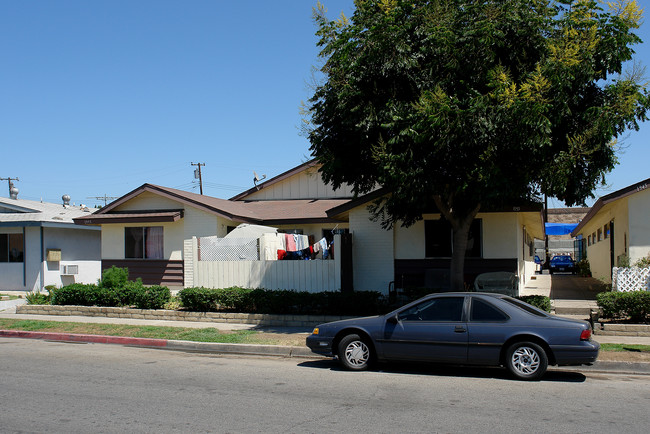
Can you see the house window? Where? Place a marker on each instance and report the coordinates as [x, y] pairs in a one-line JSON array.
[[143, 242], [438, 239], [11, 248], [588, 240], [593, 238], [600, 234], [606, 231]]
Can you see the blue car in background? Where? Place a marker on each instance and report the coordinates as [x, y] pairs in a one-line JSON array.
[[463, 328], [562, 263]]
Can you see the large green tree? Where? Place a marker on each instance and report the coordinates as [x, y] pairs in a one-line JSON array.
[[464, 105]]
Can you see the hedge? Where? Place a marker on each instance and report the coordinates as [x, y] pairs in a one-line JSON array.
[[355, 303], [633, 306], [283, 301], [113, 290]]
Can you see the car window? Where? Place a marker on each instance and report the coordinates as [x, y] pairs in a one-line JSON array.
[[435, 309], [525, 306], [484, 311]]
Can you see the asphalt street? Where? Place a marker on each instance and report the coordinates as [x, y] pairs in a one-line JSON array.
[[57, 387]]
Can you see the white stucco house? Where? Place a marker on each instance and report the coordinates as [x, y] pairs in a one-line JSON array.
[[617, 226], [164, 221], [40, 245]]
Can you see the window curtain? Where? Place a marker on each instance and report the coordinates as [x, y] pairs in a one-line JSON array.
[[154, 242]]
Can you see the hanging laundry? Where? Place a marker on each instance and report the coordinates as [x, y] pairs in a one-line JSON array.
[[290, 242]]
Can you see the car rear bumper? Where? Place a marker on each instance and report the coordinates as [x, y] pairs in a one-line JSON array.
[[320, 345], [584, 354]]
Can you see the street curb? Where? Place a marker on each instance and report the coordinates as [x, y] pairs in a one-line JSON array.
[[631, 368], [96, 339]]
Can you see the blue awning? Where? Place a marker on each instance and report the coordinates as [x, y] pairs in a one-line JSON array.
[[560, 228]]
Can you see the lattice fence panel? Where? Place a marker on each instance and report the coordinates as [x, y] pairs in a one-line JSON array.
[[228, 249], [631, 279]]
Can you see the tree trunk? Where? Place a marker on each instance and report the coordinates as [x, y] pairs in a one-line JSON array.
[[460, 225], [457, 269]]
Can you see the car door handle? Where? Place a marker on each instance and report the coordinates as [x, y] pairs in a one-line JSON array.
[[460, 329]]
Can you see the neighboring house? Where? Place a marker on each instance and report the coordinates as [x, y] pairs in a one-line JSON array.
[[617, 226], [146, 229], [561, 222], [163, 220], [40, 245]]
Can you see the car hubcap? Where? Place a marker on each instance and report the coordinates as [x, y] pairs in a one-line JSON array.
[[525, 360], [357, 353]]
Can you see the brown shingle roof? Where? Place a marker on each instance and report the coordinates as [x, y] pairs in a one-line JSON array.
[[260, 212]]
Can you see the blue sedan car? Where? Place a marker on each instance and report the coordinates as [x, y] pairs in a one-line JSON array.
[[461, 328], [561, 263]]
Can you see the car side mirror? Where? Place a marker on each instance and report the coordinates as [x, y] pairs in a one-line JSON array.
[[393, 319]]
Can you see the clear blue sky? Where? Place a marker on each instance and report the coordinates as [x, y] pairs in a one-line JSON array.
[[98, 97]]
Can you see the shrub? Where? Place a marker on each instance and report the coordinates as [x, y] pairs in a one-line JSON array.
[[37, 298], [539, 301], [583, 268], [633, 306], [152, 297], [198, 299], [643, 262], [78, 294], [114, 277]]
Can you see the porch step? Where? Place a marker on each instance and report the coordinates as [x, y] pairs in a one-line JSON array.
[[573, 310]]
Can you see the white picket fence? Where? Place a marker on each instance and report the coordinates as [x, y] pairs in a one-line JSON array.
[[630, 279], [310, 276]]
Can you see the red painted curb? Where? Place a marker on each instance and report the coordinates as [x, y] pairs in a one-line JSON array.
[[96, 339]]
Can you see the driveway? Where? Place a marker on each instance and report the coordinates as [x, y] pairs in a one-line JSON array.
[[570, 287]]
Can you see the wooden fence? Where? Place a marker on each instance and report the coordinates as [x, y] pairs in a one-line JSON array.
[[311, 276]]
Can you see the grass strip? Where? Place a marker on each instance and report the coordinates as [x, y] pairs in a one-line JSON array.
[[625, 348], [124, 330]]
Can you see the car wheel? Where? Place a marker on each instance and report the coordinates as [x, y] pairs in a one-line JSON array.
[[526, 361], [354, 353]]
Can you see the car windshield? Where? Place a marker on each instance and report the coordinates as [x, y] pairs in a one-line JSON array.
[[525, 306], [561, 259]]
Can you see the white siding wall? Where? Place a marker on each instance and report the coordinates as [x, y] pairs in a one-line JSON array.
[[372, 253], [598, 253], [78, 247], [500, 235], [33, 258], [304, 185], [639, 215]]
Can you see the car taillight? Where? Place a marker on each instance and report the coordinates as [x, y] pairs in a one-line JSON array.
[[585, 335]]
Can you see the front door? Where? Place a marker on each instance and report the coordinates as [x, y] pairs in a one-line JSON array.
[[432, 330]]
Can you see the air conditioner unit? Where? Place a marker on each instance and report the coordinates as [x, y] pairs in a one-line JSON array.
[[70, 269]]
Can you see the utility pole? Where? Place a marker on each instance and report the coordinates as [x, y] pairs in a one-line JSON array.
[[197, 175], [547, 262], [11, 184]]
